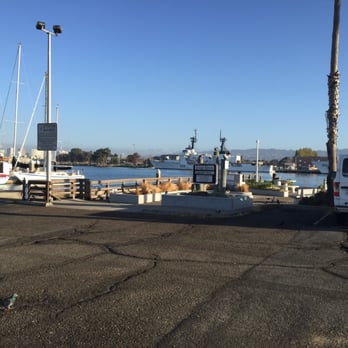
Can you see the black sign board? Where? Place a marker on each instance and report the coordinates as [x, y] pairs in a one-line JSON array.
[[205, 173], [47, 136]]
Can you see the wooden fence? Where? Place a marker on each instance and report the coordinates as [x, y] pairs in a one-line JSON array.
[[101, 189], [40, 190]]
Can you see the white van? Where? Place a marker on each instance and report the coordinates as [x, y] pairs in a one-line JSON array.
[[341, 188]]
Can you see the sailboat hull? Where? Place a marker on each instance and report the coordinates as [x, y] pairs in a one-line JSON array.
[[43, 176]]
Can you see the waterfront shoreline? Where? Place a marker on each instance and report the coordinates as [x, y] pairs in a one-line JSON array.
[[307, 180]]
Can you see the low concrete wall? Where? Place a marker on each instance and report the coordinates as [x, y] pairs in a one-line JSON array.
[[275, 193], [307, 192], [130, 198], [226, 204]]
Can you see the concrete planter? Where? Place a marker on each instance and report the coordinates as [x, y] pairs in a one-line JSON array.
[[227, 204], [130, 199]]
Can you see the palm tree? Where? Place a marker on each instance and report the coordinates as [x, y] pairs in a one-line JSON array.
[[333, 113]]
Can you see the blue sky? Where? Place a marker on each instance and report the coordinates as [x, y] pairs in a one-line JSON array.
[[141, 75]]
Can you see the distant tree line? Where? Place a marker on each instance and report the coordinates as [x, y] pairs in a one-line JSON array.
[[104, 157], [101, 157]]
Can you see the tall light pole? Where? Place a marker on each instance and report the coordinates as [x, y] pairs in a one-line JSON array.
[[56, 30]]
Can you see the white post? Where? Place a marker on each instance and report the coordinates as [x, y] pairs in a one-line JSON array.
[[56, 30], [257, 160]]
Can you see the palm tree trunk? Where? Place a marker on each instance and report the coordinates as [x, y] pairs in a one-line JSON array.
[[333, 112]]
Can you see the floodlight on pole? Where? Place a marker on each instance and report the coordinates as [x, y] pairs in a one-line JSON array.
[[40, 25]]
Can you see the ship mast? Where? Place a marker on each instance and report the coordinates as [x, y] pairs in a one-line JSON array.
[[222, 146], [193, 140]]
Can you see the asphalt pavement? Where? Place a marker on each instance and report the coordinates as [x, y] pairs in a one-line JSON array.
[[109, 276]]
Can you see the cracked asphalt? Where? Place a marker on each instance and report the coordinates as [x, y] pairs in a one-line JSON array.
[[275, 277]]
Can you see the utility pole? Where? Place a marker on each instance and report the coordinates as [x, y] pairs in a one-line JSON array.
[[333, 113]]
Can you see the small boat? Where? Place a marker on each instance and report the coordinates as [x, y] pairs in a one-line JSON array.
[[322, 166]]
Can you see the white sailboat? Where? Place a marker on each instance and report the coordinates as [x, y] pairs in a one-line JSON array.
[[17, 173], [58, 175]]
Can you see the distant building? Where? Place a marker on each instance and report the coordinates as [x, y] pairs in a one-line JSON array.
[[10, 151], [3, 153], [37, 154]]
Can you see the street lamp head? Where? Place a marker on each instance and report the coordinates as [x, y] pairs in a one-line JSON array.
[[40, 25], [57, 29]]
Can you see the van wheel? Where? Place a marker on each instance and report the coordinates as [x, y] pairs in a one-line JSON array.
[[340, 218]]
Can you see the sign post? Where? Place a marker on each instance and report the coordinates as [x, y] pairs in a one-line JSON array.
[[205, 174], [47, 136], [47, 141]]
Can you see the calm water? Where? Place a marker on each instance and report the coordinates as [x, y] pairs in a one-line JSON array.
[[108, 173]]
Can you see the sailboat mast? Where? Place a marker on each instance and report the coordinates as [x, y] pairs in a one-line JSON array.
[[19, 52]]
